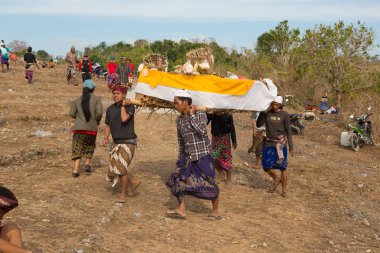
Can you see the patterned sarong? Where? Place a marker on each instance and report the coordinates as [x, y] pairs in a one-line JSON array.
[[83, 145], [121, 157], [195, 179], [221, 147]]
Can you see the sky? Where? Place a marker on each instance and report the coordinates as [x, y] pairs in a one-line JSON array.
[[56, 25]]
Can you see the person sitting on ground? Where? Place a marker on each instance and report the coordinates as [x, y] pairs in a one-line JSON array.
[[195, 172], [324, 106], [30, 62], [223, 131], [10, 234], [87, 110], [278, 136], [120, 122], [85, 66], [51, 64]]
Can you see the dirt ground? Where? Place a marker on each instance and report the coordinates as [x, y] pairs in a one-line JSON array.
[[333, 203]]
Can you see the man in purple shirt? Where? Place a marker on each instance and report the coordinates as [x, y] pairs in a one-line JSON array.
[[195, 173]]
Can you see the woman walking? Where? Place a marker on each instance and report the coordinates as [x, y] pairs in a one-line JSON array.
[[87, 111], [223, 131]]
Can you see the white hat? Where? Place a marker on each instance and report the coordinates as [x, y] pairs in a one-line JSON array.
[[278, 100], [182, 93]]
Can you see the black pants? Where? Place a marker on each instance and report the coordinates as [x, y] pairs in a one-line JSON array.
[[86, 76]]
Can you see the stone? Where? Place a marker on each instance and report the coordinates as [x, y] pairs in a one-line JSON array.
[[3, 121]]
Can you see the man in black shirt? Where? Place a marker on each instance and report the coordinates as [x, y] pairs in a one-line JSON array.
[[30, 61], [120, 123]]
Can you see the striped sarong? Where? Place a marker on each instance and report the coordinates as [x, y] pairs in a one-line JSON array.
[[121, 157]]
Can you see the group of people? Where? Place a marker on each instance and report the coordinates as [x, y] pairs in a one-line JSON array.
[[198, 156], [121, 73], [87, 111]]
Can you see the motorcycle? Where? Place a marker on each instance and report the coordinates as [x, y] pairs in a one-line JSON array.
[[361, 132], [296, 124]]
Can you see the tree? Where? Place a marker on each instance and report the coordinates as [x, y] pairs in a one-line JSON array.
[[141, 43], [276, 48], [338, 54], [42, 55], [279, 43], [18, 46]]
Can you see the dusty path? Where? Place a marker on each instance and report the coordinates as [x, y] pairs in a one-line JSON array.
[[333, 203]]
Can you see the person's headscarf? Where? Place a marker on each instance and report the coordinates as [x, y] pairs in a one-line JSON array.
[[8, 200], [278, 100], [121, 88], [89, 84]]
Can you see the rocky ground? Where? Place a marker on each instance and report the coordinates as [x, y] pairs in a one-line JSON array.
[[333, 201]]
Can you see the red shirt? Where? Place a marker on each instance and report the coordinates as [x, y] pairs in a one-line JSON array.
[[132, 68], [80, 65], [112, 66]]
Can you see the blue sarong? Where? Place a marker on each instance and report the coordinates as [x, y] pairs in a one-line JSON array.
[[270, 158]]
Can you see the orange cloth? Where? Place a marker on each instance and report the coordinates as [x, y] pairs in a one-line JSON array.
[[206, 83]]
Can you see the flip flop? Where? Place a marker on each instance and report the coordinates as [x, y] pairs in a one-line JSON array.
[[87, 169], [175, 214], [121, 201], [211, 217], [75, 175]]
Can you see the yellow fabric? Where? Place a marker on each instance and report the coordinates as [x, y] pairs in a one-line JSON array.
[[206, 83]]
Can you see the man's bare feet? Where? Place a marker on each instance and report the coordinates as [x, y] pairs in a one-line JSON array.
[[275, 184], [134, 186], [175, 214]]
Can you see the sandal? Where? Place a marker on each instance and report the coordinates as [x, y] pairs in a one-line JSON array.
[[211, 217], [75, 174], [87, 169]]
